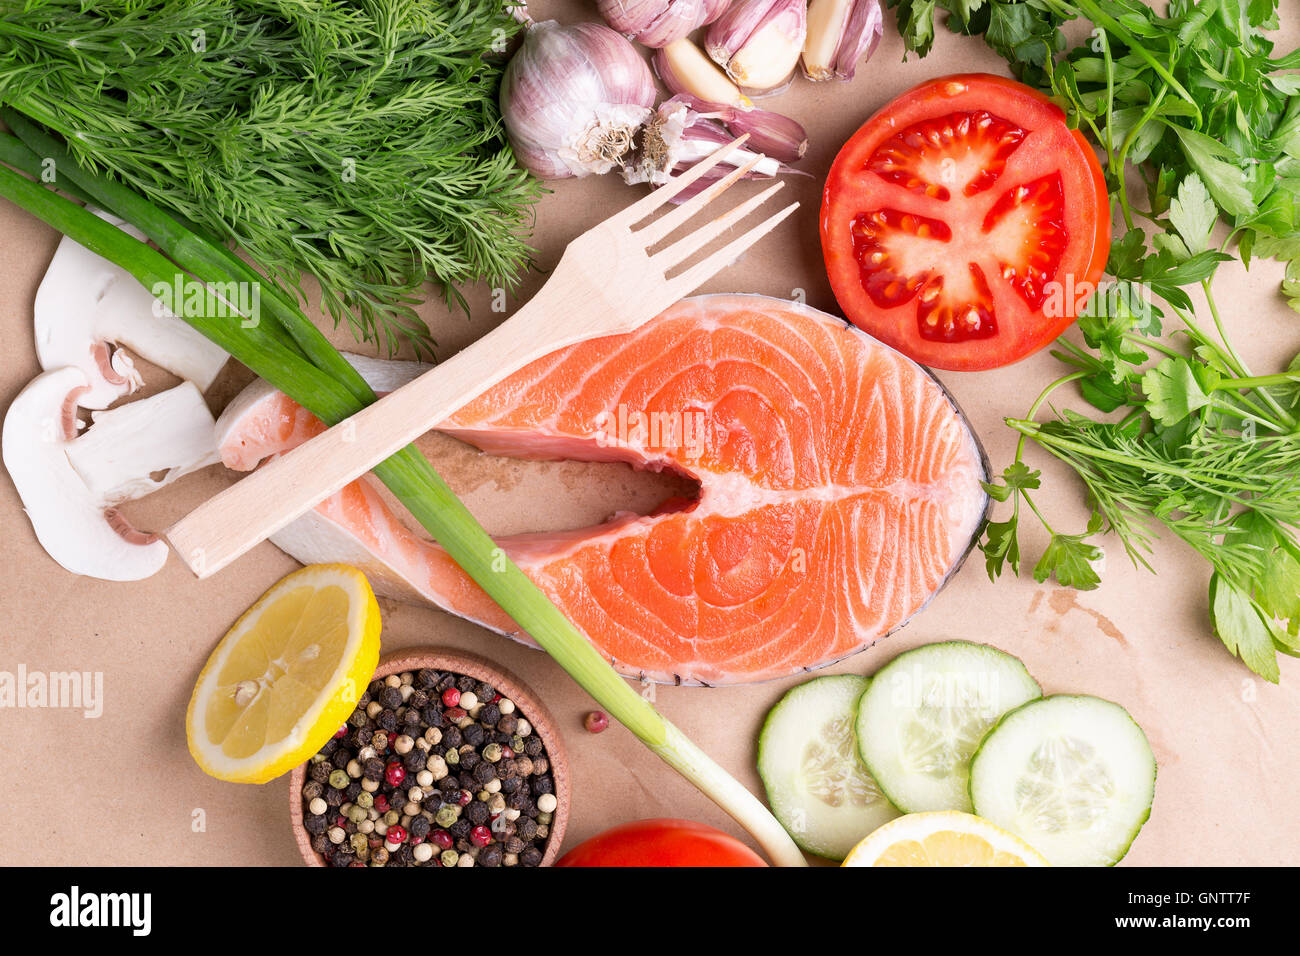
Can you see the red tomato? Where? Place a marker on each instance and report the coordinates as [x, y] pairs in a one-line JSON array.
[[661, 843], [965, 224]]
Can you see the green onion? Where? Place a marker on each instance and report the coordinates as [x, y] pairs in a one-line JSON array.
[[290, 353]]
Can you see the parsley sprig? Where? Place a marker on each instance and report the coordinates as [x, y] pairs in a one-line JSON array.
[[1194, 110]]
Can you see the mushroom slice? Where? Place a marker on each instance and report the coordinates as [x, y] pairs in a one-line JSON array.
[[85, 304], [69, 484]]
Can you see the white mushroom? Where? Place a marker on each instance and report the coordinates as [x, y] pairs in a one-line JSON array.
[[86, 304], [69, 484]]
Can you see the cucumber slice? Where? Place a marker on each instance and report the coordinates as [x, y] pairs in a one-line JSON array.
[[1073, 776], [925, 713], [807, 758]]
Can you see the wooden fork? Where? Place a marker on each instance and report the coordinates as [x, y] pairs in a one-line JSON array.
[[606, 282]]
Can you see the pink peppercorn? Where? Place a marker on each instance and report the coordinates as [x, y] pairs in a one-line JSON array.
[[595, 721], [442, 839], [381, 803], [395, 834], [341, 732], [480, 836], [395, 773], [450, 697], [456, 714], [464, 798]]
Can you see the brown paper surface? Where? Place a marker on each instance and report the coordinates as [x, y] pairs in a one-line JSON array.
[[122, 788]]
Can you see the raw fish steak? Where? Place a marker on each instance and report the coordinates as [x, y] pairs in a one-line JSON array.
[[839, 488]]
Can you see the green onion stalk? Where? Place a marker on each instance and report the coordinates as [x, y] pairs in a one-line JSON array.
[[295, 357]]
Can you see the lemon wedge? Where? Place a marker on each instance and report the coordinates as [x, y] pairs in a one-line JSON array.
[[943, 838], [286, 676]]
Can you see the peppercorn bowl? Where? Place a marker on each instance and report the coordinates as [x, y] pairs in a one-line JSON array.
[[434, 672]]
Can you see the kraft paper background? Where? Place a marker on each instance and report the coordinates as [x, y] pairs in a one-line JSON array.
[[123, 789]]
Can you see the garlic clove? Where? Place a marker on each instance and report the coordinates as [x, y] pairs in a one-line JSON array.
[[772, 134], [841, 33], [758, 42], [684, 68], [714, 9]]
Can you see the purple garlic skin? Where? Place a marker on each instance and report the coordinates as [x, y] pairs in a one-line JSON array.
[[656, 23], [678, 136], [758, 42], [573, 99], [770, 133]]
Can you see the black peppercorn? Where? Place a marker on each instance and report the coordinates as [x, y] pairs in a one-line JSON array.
[[527, 828], [313, 789], [419, 700], [433, 716], [543, 785], [448, 784], [460, 829], [463, 845], [405, 856], [507, 768], [533, 746], [410, 718], [514, 845], [426, 677], [331, 745], [387, 721], [507, 723], [420, 828], [320, 842], [432, 800], [360, 737], [414, 761], [315, 823], [352, 790], [485, 691], [452, 737], [518, 800], [375, 687], [373, 769], [334, 798], [446, 682], [509, 784], [489, 715], [484, 772], [343, 858], [320, 772], [477, 813], [490, 855], [469, 759], [474, 735], [466, 685], [390, 698], [358, 719], [341, 758], [531, 856]]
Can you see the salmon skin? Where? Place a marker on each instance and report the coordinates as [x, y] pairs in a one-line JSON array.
[[839, 489]]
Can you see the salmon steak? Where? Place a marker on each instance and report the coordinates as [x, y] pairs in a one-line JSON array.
[[839, 489]]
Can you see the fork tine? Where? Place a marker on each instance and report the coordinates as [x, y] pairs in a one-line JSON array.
[[667, 224], [701, 272], [657, 197], [680, 250]]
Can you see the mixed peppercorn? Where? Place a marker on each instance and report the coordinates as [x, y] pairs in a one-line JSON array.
[[431, 769]]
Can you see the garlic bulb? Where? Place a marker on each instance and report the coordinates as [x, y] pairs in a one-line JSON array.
[[678, 135], [841, 33], [573, 99], [758, 42]]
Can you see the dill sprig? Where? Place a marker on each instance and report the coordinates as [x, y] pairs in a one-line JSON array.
[[359, 144]]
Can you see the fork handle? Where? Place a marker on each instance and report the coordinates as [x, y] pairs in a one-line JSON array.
[[254, 508]]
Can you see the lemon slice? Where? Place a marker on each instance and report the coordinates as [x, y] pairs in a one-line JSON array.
[[286, 676], [943, 838]]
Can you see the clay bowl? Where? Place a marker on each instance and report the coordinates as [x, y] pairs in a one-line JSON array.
[[508, 685]]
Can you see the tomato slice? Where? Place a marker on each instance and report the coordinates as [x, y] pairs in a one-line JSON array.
[[965, 224]]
